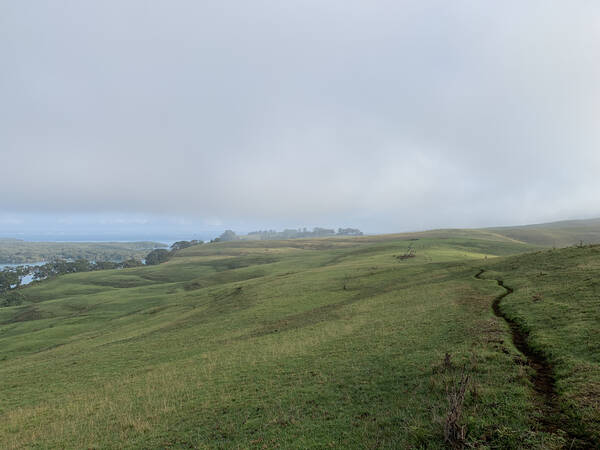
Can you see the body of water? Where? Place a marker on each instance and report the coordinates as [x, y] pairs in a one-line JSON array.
[[27, 278]]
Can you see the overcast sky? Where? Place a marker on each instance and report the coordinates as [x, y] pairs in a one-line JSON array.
[[384, 115]]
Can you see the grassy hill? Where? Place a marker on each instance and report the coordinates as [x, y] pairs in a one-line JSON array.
[[556, 302], [309, 344], [555, 234]]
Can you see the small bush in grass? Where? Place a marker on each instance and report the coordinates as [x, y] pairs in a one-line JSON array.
[[454, 432]]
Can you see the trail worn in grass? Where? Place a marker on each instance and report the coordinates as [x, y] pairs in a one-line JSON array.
[[554, 308], [543, 373]]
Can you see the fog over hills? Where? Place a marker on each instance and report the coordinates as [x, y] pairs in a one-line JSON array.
[[387, 116], [300, 224]]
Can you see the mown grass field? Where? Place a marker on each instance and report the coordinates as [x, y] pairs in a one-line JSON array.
[[303, 344]]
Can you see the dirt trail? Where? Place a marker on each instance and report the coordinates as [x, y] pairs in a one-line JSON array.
[[543, 378]]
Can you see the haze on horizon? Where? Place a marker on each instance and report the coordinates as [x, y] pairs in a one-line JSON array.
[[383, 115]]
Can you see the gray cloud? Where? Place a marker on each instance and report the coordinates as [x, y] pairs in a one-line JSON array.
[[388, 115]]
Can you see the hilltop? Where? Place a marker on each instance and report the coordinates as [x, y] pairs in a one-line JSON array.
[[555, 234], [552, 234]]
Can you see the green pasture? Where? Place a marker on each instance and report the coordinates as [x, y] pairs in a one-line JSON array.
[[300, 344]]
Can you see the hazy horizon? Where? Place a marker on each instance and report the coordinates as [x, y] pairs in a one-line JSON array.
[[162, 234], [178, 119]]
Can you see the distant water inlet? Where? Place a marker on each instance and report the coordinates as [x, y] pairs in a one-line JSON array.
[[28, 278]]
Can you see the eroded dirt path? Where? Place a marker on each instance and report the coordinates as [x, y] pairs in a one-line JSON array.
[[546, 398]]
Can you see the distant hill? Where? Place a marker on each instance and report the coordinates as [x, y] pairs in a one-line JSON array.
[[554, 234]]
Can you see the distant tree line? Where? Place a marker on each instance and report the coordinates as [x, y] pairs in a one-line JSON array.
[[63, 267], [226, 236], [14, 251], [11, 277], [229, 235], [349, 232], [305, 233]]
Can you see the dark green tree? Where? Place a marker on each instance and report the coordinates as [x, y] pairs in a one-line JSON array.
[[158, 256], [8, 279], [180, 245]]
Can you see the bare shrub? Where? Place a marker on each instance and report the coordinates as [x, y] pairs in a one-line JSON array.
[[447, 361], [445, 366], [454, 432]]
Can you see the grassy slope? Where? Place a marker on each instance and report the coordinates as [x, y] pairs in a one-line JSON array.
[[557, 301], [293, 344], [555, 234]]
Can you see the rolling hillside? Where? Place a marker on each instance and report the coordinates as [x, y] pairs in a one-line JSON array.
[[309, 344], [555, 234]]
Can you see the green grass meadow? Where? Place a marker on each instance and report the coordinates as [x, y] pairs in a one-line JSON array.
[[324, 343]]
